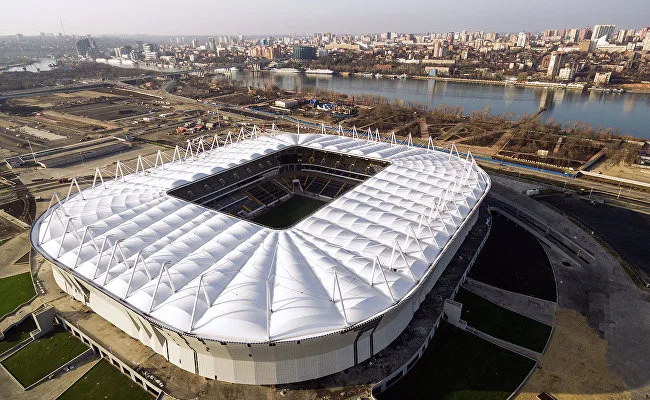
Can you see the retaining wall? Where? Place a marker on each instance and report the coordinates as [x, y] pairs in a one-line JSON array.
[[99, 349]]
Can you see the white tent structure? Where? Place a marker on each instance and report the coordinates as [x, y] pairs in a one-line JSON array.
[[232, 300]]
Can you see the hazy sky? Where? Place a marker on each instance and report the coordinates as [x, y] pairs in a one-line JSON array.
[[247, 17]]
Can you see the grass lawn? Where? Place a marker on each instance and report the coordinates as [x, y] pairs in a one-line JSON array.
[[289, 212], [460, 366], [105, 382], [43, 356], [514, 260], [502, 323], [17, 334], [15, 290]]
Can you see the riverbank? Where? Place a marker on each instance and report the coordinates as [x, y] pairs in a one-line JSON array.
[[625, 114], [537, 84], [459, 80]]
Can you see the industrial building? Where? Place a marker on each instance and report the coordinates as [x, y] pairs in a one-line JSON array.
[[172, 254]]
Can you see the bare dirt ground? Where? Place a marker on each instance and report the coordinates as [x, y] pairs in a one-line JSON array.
[[8, 229], [574, 366], [625, 171], [52, 99], [600, 348]]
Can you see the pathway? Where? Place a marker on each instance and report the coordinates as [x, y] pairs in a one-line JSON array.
[[12, 251], [505, 344], [534, 308], [49, 389], [602, 292]]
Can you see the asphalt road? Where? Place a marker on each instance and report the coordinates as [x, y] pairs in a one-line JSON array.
[[626, 231], [602, 292]]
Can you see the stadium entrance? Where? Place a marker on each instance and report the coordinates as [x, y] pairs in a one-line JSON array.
[[280, 189]]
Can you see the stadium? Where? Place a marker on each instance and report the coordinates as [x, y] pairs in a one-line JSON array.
[[265, 259]]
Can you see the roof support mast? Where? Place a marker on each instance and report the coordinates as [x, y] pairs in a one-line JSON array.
[[163, 267], [336, 288], [98, 173], [196, 300], [377, 264], [397, 247]]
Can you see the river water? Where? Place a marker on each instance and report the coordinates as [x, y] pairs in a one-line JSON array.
[[41, 65], [629, 113]]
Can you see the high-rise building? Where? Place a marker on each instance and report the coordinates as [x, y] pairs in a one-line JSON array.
[[212, 44], [522, 39], [304, 53], [149, 51], [556, 62], [603, 30], [643, 32], [86, 47], [646, 43], [195, 43], [602, 78], [572, 35], [440, 48], [585, 34], [620, 36], [566, 73], [587, 46], [150, 55]]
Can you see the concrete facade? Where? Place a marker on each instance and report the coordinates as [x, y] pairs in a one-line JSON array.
[[262, 364]]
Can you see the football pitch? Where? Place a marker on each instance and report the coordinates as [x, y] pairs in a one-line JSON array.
[[289, 212]]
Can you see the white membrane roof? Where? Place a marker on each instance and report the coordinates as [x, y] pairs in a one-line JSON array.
[[209, 274]]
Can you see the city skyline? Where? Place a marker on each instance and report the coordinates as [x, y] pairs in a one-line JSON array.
[[289, 17]]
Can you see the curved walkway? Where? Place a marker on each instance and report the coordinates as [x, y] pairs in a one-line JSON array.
[[601, 291], [534, 308]]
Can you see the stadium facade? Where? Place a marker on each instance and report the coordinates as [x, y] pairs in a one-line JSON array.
[[171, 254]]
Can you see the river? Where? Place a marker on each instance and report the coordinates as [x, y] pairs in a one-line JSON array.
[[42, 64], [629, 113]]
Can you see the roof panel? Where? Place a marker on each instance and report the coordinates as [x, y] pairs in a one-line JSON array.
[[364, 250]]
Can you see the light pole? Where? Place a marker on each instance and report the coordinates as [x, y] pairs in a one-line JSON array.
[[31, 149]]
